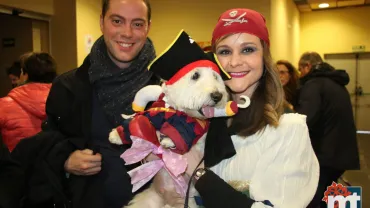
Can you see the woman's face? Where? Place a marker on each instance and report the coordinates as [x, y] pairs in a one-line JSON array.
[[284, 74], [241, 55]]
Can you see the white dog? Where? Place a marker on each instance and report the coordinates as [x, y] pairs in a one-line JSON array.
[[199, 94], [194, 91]]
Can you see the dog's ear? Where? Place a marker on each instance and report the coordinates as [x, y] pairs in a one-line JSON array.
[[163, 85], [164, 88]]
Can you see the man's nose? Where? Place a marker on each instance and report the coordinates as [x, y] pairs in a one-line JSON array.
[[127, 31]]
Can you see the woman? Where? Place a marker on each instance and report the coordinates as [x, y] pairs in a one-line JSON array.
[[23, 109], [289, 80], [269, 160]]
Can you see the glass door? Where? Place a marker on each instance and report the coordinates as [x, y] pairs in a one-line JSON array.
[[363, 92], [357, 66]]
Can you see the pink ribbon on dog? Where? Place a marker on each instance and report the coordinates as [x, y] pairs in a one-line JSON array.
[[174, 163]]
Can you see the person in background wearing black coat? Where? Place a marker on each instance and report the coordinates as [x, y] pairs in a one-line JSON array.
[[11, 179], [325, 100], [85, 104]]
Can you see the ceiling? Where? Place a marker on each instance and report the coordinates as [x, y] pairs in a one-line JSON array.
[[312, 5]]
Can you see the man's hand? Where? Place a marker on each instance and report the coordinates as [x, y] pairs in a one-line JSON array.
[[83, 163]]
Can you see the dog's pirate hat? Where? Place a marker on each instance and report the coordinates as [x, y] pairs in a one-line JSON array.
[[183, 55]]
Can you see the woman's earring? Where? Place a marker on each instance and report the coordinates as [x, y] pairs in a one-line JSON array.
[[246, 103]]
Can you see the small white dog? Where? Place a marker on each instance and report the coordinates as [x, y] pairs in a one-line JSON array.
[[194, 91], [200, 93]]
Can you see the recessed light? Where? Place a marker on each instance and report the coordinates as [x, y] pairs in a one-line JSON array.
[[324, 5]]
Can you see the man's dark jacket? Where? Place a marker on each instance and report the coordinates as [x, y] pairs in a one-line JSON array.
[[69, 110], [11, 179], [325, 100]]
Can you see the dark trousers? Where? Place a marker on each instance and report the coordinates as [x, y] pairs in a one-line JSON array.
[[327, 176]]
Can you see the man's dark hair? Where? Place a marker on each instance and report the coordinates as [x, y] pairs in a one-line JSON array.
[[15, 69], [105, 6], [40, 67]]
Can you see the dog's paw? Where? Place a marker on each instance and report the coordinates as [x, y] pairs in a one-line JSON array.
[[165, 141], [114, 137], [124, 116]]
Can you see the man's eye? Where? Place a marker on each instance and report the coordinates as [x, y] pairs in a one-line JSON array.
[[116, 22], [138, 25]]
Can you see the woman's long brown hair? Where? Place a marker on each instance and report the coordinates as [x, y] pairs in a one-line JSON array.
[[290, 89]]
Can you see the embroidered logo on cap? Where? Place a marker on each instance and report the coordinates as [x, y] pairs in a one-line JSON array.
[[233, 13], [239, 19]]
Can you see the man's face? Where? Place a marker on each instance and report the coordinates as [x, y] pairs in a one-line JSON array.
[[125, 27], [304, 69], [14, 79]]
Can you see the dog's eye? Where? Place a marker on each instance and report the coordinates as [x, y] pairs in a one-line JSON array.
[[215, 76], [195, 76]]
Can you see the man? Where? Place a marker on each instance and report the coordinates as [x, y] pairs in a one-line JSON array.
[[85, 104], [326, 102]]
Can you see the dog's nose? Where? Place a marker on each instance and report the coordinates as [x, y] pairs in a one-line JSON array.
[[216, 96]]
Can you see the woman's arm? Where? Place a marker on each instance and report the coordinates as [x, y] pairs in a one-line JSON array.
[[215, 193], [286, 175]]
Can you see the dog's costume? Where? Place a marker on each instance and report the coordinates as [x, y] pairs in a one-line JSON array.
[[183, 130], [180, 58]]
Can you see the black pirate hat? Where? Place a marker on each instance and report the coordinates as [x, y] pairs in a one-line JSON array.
[[211, 56], [183, 55]]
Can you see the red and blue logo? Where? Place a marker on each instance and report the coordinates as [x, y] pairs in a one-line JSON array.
[[339, 196]]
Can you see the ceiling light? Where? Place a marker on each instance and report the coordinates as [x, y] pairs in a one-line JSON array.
[[324, 5]]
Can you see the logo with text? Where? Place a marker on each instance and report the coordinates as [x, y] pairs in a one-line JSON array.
[[339, 196], [239, 19]]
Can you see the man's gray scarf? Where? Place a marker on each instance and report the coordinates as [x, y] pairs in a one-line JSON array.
[[115, 87]]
